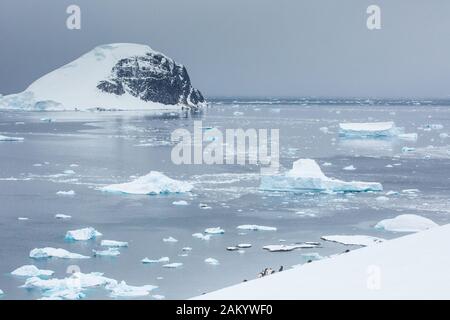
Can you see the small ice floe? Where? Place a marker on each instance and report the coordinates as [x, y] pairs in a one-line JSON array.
[[391, 193], [62, 216], [173, 265], [327, 164], [31, 271], [285, 247], [160, 260], [1, 292], [151, 184], [406, 223], [443, 135], [123, 290], [306, 176], [408, 136], [349, 168], [212, 261], [215, 230], [180, 203], [244, 245], [47, 120], [68, 172], [389, 166], [382, 199], [410, 191], [254, 227], [82, 234], [170, 239], [113, 243], [186, 249], [238, 113], [358, 240], [204, 206], [23, 218], [43, 253], [74, 165], [37, 165], [110, 252], [202, 236], [235, 248], [312, 256], [158, 297], [408, 149], [324, 129], [10, 139], [369, 129], [66, 193]]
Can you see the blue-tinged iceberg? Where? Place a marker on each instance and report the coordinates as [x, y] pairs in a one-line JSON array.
[[44, 253], [306, 176], [82, 234], [151, 184], [369, 129], [31, 271]]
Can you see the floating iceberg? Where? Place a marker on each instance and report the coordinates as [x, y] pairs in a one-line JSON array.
[[408, 136], [202, 236], [283, 247], [244, 245], [212, 261], [66, 193], [170, 239], [216, 230], [31, 271], [349, 168], [180, 203], [306, 176], [369, 129], [43, 253], [254, 227], [110, 252], [160, 260], [1, 292], [406, 223], [5, 138], [82, 234], [113, 243], [173, 265], [124, 290], [150, 184], [358, 240], [62, 216]]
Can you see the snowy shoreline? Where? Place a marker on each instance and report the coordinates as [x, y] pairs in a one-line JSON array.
[[410, 267]]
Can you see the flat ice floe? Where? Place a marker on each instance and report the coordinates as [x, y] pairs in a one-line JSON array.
[[359, 240], [43, 253], [5, 138], [254, 227], [201, 236], [306, 176], [369, 129], [406, 223], [113, 243], [62, 216], [31, 271], [180, 203], [215, 230], [170, 239], [212, 261], [160, 260], [82, 234], [66, 193], [173, 265], [151, 184]]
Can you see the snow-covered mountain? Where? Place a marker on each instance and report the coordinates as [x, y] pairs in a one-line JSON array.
[[120, 76]]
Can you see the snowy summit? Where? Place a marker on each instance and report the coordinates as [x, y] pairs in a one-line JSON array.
[[121, 76]]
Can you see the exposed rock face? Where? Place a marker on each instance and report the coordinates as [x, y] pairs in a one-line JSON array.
[[152, 77]]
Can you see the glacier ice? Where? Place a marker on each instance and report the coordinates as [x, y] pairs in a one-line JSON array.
[[48, 252], [306, 176], [31, 271], [113, 243], [360, 240], [12, 139], [254, 227], [151, 184], [406, 223], [160, 260], [82, 234], [369, 129]]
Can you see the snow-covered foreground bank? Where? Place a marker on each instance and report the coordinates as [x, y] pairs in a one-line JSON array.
[[411, 267]]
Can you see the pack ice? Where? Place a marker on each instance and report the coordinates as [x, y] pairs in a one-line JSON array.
[[306, 176], [368, 129], [406, 223], [151, 184], [82, 234], [43, 253]]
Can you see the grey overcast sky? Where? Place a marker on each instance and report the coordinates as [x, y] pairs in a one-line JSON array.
[[246, 47]]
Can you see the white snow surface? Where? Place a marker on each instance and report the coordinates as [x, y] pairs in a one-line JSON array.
[[74, 85], [406, 223], [151, 184], [359, 240], [306, 176], [410, 267]]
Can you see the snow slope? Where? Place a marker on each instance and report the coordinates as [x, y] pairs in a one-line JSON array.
[[75, 85], [411, 267]]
